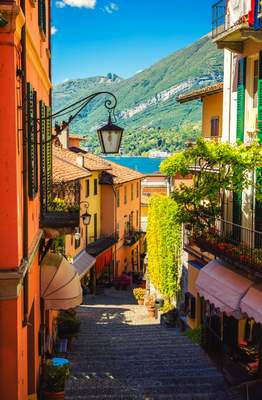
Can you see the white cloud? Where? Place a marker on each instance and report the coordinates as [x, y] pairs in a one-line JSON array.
[[76, 3], [53, 30], [111, 7]]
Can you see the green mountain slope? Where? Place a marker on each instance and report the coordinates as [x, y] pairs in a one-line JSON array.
[[148, 99]]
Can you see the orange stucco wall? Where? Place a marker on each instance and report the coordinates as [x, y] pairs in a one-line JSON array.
[[19, 353]]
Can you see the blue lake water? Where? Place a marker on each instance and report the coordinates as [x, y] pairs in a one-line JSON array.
[[144, 165]]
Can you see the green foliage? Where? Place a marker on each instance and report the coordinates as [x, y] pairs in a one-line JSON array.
[[55, 377], [195, 335], [164, 245], [139, 293], [199, 64], [59, 244], [219, 167], [68, 324]]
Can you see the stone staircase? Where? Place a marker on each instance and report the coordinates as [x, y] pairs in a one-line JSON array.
[[120, 354]]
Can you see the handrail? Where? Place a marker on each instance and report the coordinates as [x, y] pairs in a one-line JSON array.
[[246, 386]]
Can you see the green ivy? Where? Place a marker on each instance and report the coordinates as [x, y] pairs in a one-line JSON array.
[[164, 238]]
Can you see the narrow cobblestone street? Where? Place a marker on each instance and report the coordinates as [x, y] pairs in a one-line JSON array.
[[121, 354]]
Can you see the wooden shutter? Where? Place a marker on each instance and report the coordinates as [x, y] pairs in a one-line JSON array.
[[259, 100], [48, 159], [32, 141], [241, 87], [192, 313], [42, 151], [42, 15]]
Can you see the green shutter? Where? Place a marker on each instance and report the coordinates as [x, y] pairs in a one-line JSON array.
[[32, 142], [42, 15], [259, 100], [241, 99], [48, 149], [42, 151]]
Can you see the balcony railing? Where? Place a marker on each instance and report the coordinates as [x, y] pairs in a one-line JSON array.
[[132, 237], [239, 246], [219, 18], [60, 205]]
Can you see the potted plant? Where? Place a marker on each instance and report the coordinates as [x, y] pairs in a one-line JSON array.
[[55, 377], [68, 325], [151, 306], [139, 294]]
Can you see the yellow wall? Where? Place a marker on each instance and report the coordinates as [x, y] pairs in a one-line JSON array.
[[212, 107], [94, 202], [192, 277]]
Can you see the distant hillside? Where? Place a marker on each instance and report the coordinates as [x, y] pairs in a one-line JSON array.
[[147, 100]]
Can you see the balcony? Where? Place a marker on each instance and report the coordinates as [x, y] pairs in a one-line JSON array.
[[239, 246], [230, 26], [60, 206], [131, 237]]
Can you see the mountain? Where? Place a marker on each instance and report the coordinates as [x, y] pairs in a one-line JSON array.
[[147, 101]]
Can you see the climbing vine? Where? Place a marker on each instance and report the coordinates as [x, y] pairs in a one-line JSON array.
[[164, 235]]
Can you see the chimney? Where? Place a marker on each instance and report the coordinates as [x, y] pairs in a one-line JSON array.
[[80, 160]]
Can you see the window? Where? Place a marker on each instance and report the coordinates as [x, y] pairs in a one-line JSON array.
[[87, 188], [95, 187], [117, 198], [137, 189], [95, 227], [215, 126], [136, 217], [132, 191], [255, 83], [42, 16], [125, 195], [117, 232]]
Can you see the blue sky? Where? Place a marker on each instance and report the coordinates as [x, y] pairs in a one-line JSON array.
[[94, 37]]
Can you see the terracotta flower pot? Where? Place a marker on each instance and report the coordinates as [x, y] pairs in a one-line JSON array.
[[151, 312], [140, 302], [54, 395]]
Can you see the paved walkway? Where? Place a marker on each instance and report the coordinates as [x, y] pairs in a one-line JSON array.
[[121, 354]]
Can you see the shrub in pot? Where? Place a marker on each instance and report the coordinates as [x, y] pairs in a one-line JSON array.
[[151, 306], [68, 324], [139, 295], [55, 377]]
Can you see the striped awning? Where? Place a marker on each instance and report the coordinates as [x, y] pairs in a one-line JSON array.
[[83, 262], [222, 287], [60, 283]]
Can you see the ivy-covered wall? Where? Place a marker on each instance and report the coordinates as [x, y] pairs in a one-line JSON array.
[[164, 240]]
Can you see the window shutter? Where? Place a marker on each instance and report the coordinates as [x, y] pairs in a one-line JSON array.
[[48, 150], [42, 15], [241, 99], [192, 307], [259, 100], [42, 151], [32, 141], [237, 215]]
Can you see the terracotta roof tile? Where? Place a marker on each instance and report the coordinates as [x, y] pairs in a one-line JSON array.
[[64, 170], [123, 174], [199, 93]]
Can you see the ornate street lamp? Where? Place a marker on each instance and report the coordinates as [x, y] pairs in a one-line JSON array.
[[86, 218], [110, 135]]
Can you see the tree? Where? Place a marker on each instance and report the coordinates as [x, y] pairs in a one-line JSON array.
[[215, 168]]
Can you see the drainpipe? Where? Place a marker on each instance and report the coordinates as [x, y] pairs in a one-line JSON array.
[[25, 166], [25, 153]]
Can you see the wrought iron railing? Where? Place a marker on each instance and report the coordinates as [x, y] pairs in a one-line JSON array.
[[234, 243], [60, 205], [218, 18], [131, 237]]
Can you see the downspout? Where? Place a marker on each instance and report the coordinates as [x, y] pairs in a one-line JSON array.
[[25, 165], [25, 153]]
